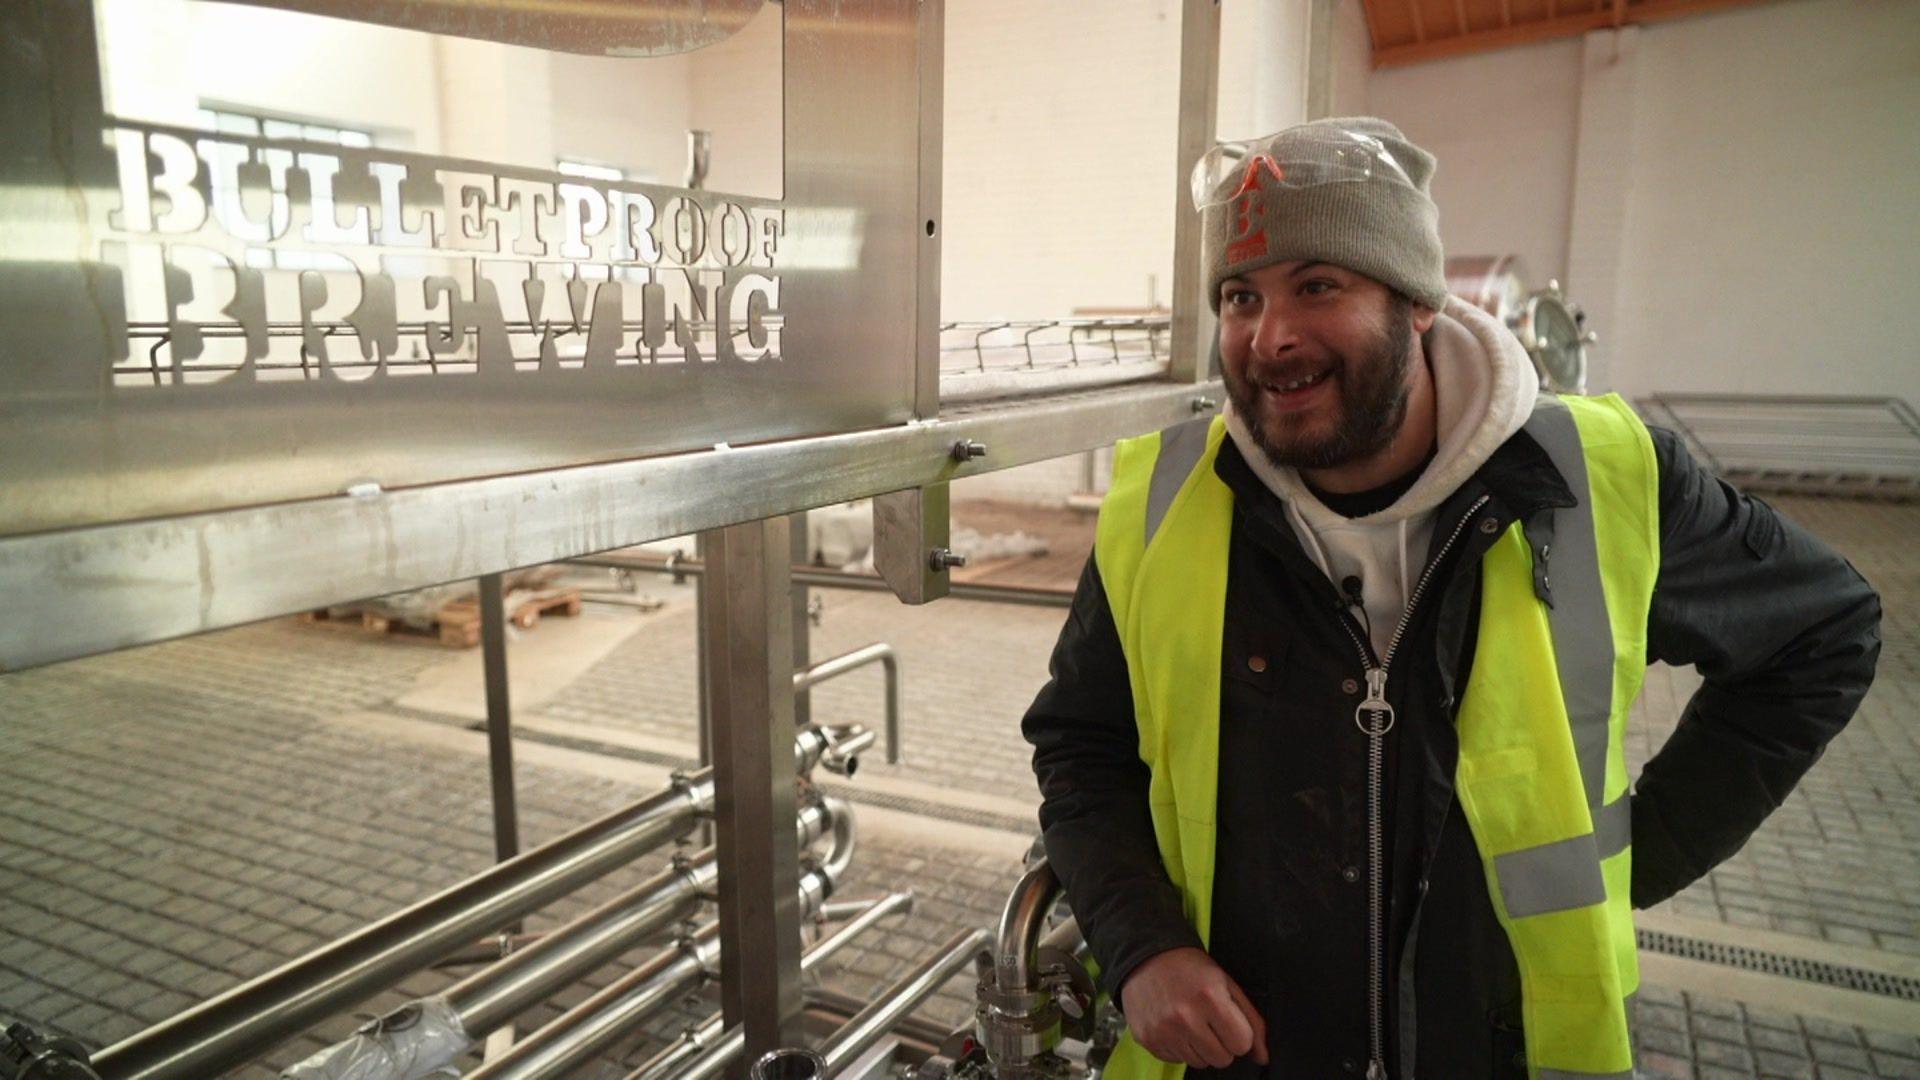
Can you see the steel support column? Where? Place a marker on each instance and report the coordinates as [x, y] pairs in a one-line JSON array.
[[749, 647], [493, 659], [1192, 340], [802, 638]]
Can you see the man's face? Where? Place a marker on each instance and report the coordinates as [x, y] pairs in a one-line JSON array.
[[1316, 359]]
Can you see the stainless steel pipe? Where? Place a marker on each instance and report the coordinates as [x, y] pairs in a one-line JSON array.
[[789, 1063], [708, 1050], [1021, 920], [873, 1022], [238, 1025], [599, 1023], [839, 579], [839, 1007], [489, 998], [452, 1021], [879, 653]]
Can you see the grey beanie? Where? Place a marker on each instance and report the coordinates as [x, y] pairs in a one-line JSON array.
[[1384, 226]]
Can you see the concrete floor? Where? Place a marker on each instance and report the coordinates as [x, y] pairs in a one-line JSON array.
[[185, 816]]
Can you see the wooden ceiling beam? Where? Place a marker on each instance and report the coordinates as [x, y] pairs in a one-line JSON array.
[[1460, 14], [1506, 12], [1558, 26], [1373, 24], [1419, 24]]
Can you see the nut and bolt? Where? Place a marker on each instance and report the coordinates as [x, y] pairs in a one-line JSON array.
[[943, 559], [967, 450], [1204, 404]]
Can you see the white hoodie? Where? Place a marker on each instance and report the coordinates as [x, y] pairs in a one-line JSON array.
[[1484, 391]]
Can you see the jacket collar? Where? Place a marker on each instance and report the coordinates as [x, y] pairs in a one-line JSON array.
[[1523, 479]]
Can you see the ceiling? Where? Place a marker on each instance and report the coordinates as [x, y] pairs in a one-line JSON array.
[[1412, 31]]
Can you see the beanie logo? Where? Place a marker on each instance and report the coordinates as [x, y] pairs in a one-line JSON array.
[[1247, 243]]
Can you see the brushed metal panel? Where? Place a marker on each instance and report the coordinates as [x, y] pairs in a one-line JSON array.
[[91, 590], [489, 352], [595, 27]]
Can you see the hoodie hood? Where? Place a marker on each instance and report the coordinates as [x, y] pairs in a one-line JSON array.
[[1484, 390]]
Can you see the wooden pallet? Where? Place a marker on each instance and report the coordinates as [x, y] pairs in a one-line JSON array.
[[458, 623]]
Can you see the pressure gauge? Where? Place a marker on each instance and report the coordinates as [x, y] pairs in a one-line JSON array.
[[1555, 336], [1553, 331]]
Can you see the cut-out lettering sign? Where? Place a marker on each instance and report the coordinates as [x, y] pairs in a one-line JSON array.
[[243, 257]]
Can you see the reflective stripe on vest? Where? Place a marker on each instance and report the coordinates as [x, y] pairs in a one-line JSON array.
[[1542, 775], [1181, 448]]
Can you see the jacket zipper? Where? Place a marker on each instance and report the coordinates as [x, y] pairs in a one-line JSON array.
[[1375, 718]]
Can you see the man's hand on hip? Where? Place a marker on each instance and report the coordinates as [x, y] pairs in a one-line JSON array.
[[1183, 1008]]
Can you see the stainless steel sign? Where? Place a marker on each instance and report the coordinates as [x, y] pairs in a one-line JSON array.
[[540, 272], [195, 320]]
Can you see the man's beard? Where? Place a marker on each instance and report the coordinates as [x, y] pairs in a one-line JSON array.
[[1372, 402]]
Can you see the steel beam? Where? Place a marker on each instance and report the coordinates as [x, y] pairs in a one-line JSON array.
[[83, 591]]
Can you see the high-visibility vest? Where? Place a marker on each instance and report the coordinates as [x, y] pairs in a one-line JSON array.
[[1542, 775]]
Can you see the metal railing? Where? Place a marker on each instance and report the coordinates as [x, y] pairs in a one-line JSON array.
[[1799, 443], [1005, 357]]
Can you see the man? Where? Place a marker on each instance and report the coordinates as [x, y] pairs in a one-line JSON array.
[[1331, 755]]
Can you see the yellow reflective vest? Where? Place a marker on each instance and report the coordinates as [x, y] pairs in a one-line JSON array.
[[1541, 776]]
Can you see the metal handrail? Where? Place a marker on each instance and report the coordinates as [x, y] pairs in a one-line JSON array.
[[1812, 443]]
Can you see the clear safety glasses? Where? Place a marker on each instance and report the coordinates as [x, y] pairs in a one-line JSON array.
[[1298, 157]]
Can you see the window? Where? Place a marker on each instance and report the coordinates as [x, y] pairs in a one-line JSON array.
[[226, 191]]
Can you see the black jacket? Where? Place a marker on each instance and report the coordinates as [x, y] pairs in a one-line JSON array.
[[1783, 630]]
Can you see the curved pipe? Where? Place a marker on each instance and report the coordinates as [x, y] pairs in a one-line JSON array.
[[845, 835], [835, 747], [1020, 924], [878, 653]]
